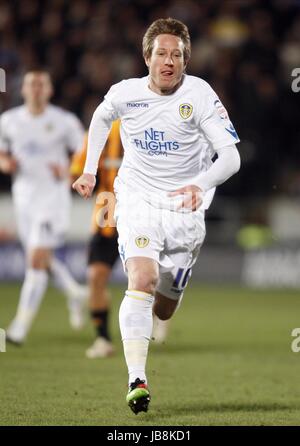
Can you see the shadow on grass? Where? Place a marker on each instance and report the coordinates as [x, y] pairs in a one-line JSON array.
[[202, 408], [191, 348]]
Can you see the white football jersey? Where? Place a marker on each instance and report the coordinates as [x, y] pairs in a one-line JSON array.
[[168, 139], [37, 141]]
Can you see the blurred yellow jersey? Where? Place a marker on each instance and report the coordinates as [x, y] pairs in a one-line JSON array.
[[108, 167]]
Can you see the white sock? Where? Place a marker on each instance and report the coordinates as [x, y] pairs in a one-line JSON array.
[[32, 292], [135, 318], [160, 329], [179, 303], [64, 278]]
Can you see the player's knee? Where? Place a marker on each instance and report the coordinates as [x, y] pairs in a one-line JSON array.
[[142, 275], [39, 259], [144, 281], [38, 263]]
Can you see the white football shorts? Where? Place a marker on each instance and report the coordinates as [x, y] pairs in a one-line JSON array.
[[173, 239], [41, 227]]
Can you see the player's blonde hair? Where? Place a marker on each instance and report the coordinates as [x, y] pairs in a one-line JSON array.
[[167, 26]]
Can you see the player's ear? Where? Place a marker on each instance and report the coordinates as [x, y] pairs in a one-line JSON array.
[[147, 61], [48, 85], [186, 61], [22, 91], [51, 90]]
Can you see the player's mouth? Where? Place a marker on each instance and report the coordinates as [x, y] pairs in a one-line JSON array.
[[167, 73]]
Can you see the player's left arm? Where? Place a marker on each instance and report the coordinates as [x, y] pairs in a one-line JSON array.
[[214, 123], [226, 165]]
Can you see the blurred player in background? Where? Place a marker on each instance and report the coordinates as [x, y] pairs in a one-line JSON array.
[[35, 139], [103, 246], [172, 125]]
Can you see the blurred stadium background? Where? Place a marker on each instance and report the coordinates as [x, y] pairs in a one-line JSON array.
[[246, 49]]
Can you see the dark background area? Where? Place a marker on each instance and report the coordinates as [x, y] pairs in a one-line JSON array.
[[245, 49]]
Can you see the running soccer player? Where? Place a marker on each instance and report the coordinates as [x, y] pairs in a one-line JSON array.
[[172, 125], [34, 142], [103, 245]]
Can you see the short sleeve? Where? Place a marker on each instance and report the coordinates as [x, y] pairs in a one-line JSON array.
[[101, 123], [109, 105], [75, 133], [215, 122]]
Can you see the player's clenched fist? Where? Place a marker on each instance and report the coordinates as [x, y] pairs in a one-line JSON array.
[[191, 197], [85, 185]]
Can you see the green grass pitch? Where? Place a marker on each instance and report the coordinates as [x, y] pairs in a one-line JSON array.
[[227, 361]]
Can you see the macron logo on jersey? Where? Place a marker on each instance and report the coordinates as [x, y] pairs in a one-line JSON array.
[[232, 131], [137, 105]]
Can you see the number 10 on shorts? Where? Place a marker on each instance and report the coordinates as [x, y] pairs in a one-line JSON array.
[[182, 278]]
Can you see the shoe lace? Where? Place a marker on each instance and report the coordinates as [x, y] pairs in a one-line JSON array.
[[138, 383]]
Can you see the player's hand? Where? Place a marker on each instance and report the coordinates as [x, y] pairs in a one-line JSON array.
[[85, 185], [191, 197], [8, 164]]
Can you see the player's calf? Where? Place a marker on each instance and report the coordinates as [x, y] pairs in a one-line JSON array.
[[164, 307]]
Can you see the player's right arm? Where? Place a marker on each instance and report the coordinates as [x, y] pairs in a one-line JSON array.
[[99, 129], [78, 160], [97, 136], [8, 164]]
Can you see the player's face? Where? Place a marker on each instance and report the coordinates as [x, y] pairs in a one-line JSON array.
[[37, 88], [166, 64]]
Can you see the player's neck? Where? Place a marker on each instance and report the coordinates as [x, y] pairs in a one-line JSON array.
[[163, 91], [36, 109]]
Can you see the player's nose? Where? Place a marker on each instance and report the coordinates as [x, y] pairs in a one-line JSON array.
[[168, 60]]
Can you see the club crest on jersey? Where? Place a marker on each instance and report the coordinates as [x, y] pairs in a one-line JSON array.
[[142, 241], [185, 110]]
